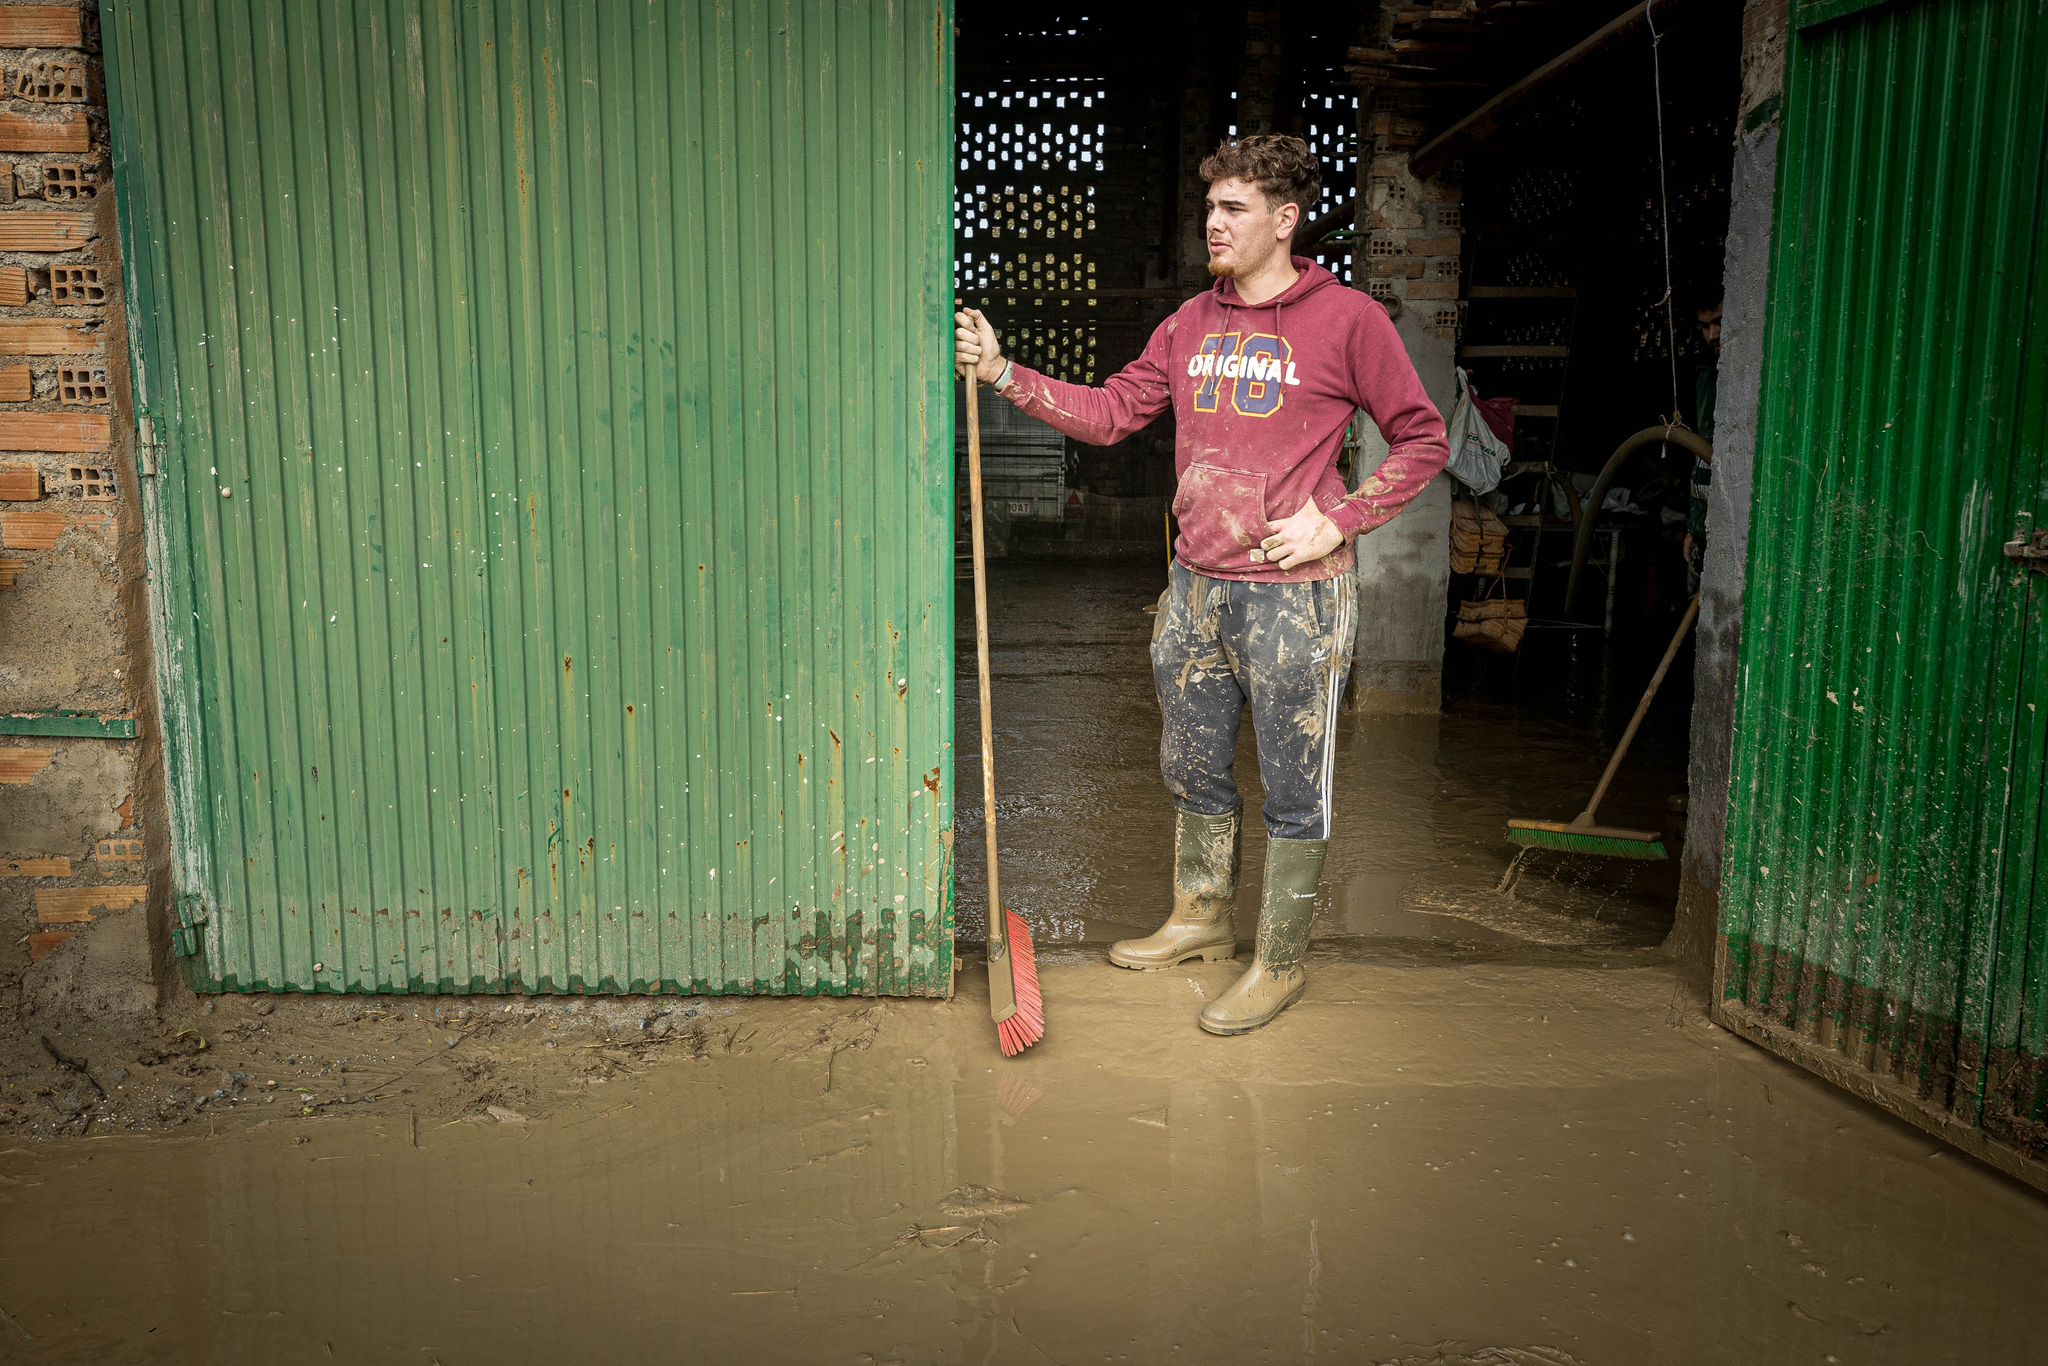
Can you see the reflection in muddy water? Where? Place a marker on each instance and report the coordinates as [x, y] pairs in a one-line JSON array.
[[699, 1218], [1518, 1158], [1421, 801]]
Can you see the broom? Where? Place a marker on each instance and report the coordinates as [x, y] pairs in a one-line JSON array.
[[1014, 1002], [1580, 835]]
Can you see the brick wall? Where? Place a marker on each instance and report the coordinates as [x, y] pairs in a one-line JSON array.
[[1408, 258], [71, 842], [1765, 24], [1413, 229], [1071, 246]]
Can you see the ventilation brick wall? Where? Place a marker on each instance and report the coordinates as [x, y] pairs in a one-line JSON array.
[[71, 842]]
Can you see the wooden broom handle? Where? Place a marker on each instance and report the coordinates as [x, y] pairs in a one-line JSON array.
[[1635, 722], [997, 943]]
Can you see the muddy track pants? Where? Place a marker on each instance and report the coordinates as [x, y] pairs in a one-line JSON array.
[[1283, 647]]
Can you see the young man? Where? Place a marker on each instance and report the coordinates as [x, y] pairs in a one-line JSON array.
[[1263, 374]]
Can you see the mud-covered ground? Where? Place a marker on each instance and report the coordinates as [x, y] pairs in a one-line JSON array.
[[1496, 1132], [1515, 1160], [233, 1062]]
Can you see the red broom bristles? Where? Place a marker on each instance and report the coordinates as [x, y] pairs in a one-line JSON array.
[[1027, 1026]]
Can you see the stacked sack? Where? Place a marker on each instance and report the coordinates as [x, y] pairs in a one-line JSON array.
[[1479, 539]]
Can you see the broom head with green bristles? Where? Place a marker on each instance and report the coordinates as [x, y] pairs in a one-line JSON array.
[[1580, 835], [1572, 837]]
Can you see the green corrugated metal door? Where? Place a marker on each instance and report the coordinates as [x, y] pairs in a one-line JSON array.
[[1889, 728], [551, 526], [2016, 1084]]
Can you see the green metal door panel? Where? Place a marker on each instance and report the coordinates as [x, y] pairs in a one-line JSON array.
[[2016, 1078], [2015, 1083], [1869, 854], [551, 538]]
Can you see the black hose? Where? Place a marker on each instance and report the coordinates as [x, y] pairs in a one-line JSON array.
[[1680, 437]]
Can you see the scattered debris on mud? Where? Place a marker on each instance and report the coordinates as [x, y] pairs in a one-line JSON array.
[[237, 1060]]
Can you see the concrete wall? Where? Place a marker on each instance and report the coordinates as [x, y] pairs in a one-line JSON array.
[[1404, 567], [1408, 257], [1745, 284], [76, 841]]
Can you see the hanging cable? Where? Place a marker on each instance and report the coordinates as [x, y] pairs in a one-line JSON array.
[[1663, 201]]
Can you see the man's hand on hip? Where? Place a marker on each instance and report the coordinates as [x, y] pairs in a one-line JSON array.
[[1305, 537], [975, 348]]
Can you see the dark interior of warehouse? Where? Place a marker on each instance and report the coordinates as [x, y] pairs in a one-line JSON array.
[[1573, 163]]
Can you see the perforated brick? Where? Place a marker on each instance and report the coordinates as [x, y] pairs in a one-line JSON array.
[[1031, 201], [1034, 273], [1064, 350], [95, 483], [1331, 131], [50, 82], [1011, 212], [69, 180], [1032, 126], [81, 384], [76, 285]]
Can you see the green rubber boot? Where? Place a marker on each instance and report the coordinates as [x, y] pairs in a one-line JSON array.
[[1277, 978], [1205, 854]]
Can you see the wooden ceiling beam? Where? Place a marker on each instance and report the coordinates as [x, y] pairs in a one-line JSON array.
[[1484, 120]]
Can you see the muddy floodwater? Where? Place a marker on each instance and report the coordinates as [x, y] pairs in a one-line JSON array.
[[1421, 801], [1496, 1132], [1425, 1161]]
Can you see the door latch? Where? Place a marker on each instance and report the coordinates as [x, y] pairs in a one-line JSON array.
[[191, 916], [2031, 551], [146, 448]]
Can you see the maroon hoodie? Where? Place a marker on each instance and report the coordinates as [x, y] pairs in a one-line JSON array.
[[1262, 395]]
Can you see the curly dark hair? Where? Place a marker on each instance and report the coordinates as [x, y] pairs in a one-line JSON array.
[[1282, 167]]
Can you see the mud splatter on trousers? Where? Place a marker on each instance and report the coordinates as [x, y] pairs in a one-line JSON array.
[[1283, 647]]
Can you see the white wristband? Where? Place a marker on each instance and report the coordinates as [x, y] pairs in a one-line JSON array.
[[1004, 380]]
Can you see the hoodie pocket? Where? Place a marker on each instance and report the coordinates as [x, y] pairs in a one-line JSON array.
[[1222, 516]]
